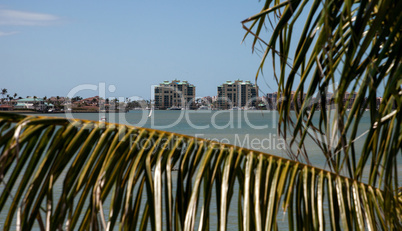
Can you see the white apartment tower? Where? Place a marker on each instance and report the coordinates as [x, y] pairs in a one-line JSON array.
[[239, 93], [178, 94]]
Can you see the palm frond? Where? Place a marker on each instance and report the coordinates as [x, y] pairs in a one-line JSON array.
[[344, 46], [61, 174]]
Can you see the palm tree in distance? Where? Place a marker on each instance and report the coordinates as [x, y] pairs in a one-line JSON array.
[[116, 175], [3, 93], [15, 98], [9, 98]]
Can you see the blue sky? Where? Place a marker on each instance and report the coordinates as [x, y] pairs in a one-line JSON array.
[[50, 47]]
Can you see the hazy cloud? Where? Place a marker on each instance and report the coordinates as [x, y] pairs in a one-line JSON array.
[[3, 33], [23, 18]]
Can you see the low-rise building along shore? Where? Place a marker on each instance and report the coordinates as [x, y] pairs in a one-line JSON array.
[[38, 104]]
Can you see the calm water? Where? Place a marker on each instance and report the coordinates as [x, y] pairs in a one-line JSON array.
[[255, 130]]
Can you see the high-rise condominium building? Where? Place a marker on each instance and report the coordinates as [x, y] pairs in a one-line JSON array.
[[174, 94], [237, 94]]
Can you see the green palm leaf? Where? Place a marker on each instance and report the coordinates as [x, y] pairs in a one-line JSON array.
[[343, 46], [61, 174]]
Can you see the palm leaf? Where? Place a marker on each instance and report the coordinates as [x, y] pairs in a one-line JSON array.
[[90, 175], [344, 46]]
